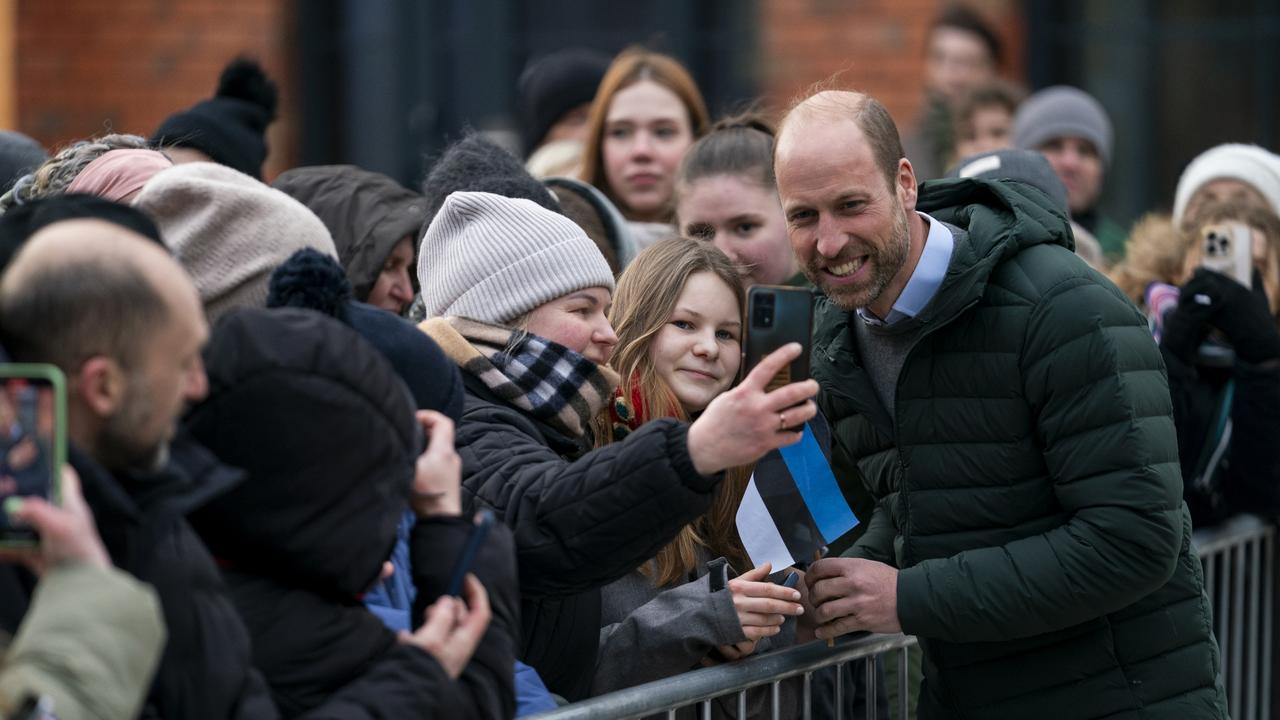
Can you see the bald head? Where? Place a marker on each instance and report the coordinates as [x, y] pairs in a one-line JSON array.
[[829, 108], [84, 287]]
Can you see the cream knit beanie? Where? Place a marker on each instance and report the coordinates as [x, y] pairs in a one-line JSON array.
[[492, 258], [229, 230], [1249, 164]]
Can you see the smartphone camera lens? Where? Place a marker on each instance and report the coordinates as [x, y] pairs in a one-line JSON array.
[[762, 312]]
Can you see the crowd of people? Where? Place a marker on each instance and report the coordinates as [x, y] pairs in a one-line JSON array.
[[293, 406]]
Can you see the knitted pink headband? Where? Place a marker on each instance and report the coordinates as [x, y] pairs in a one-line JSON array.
[[119, 174]]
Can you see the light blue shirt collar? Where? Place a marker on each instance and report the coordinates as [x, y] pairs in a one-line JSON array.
[[925, 280]]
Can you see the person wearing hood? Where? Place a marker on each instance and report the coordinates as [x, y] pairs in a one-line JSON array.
[[1007, 409], [308, 531], [374, 221]]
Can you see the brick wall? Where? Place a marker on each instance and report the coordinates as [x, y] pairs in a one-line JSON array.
[[85, 67], [878, 44]]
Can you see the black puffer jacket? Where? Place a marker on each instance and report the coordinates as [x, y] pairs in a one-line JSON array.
[[205, 671], [581, 519], [325, 430]]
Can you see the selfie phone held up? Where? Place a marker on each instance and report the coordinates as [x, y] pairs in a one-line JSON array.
[[776, 316], [1228, 248], [33, 441], [467, 558]]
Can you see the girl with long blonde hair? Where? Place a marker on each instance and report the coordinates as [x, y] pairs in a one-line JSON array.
[[678, 314]]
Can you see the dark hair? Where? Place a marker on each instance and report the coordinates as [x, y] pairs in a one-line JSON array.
[[959, 17], [69, 311], [475, 164], [997, 92], [739, 145]]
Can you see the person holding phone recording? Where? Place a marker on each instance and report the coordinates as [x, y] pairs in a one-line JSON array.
[[518, 297], [1221, 345]]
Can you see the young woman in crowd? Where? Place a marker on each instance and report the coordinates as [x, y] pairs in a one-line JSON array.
[[678, 314], [517, 296], [646, 114], [1221, 346], [726, 194]]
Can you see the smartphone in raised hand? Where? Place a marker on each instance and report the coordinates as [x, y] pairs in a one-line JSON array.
[[33, 441], [776, 316], [1227, 248]]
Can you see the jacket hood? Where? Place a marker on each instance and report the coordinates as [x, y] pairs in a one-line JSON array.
[[367, 213], [1000, 219], [325, 431]]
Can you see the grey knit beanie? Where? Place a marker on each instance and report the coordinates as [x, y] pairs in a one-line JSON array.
[[492, 258], [229, 231], [1062, 111]]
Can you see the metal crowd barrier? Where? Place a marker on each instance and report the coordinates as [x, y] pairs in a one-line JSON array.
[[1239, 568], [697, 689], [1239, 576]]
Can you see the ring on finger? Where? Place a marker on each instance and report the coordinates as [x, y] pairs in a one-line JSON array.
[[782, 421]]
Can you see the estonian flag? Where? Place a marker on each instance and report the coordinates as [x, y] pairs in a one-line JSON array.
[[793, 506]]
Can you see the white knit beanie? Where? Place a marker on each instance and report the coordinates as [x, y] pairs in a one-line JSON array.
[[229, 230], [492, 258], [1249, 164]]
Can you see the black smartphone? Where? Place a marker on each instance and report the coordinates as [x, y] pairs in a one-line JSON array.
[[467, 558], [776, 316], [33, 441]]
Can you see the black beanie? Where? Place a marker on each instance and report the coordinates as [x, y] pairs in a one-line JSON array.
[[231, 126], [313, 280], [555, 84], [474, 164], [19, 155]]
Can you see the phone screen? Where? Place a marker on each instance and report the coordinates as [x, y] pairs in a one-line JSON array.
[[31, 443]]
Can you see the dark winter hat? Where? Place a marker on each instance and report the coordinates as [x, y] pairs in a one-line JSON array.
[[23, 221], [313, 280], [19, 155], [1026, 166], [553, 85], [230, 127], [1062, 111], [367, 214], [474, 164], [325, 430]]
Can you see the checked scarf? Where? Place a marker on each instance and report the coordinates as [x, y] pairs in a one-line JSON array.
[[549, 381]]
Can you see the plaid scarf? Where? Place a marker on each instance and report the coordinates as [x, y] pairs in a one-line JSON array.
[[549, 381]]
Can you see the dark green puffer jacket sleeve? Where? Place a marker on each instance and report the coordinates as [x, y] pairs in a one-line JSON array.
[[1095, 384]]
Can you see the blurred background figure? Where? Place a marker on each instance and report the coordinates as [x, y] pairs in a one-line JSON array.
[[961, 53], [555, 93], [646, 115], [1072, 130]]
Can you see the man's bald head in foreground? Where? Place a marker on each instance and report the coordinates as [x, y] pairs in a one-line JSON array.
[[865, 112], [80, 288]]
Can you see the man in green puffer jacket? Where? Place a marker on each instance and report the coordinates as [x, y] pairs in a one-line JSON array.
[[1009, 412]]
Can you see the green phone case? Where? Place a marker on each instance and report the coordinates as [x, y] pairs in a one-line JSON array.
[[52, 376]]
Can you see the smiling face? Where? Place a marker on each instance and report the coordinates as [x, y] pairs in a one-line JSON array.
[[578, 321], [743, 219], [698, 350], [646, 133], [848, 226]]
